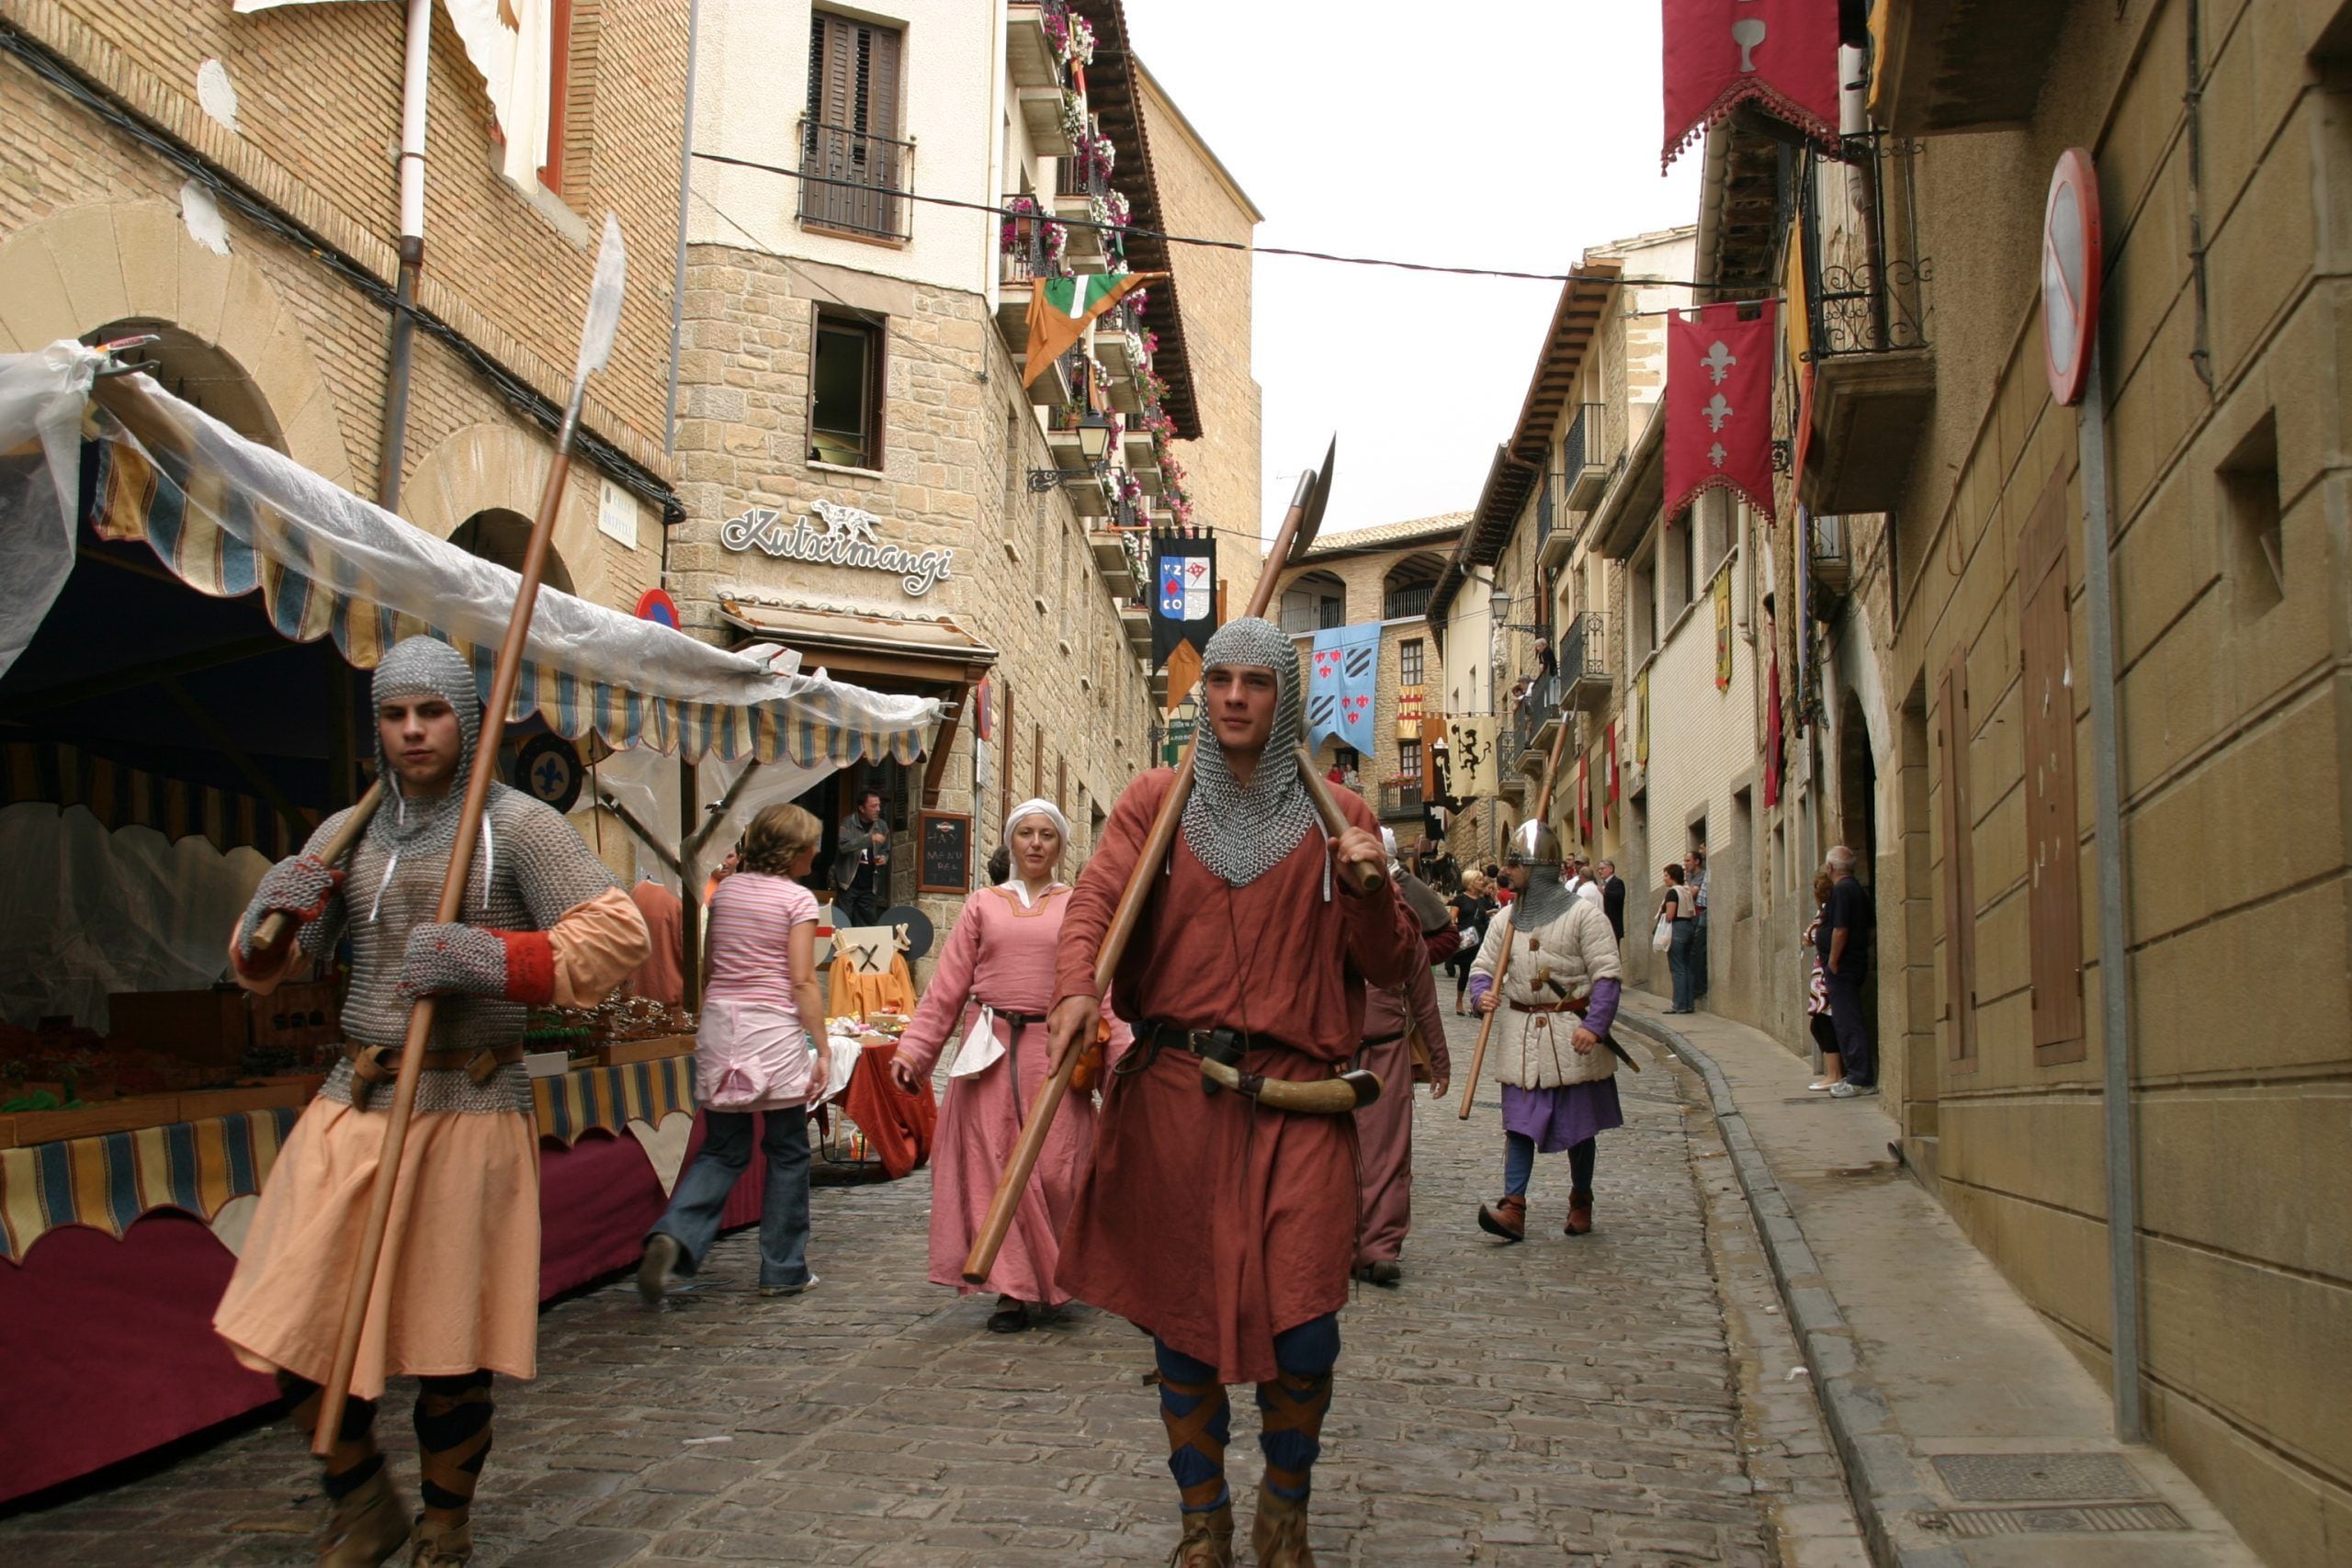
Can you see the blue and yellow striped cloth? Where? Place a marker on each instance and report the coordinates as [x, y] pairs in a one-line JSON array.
[[612, 1098], [109, 1180]]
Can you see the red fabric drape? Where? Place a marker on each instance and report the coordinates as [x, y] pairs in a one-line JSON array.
[[1779, 54], [1719, 403]]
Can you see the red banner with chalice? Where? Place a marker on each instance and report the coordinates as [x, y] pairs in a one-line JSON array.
[[1781, 56], [1719, 403]]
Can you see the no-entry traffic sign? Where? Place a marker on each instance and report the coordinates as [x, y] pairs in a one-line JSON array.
[[2071, 261]]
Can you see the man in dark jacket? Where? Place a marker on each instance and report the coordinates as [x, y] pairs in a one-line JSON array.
[[862, 864], [1612, 896]]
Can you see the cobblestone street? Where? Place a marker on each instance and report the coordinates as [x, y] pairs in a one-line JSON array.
[[1624, 1398]]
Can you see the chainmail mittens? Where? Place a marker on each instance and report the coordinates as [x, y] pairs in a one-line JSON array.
[[475, 961], [299, 885]]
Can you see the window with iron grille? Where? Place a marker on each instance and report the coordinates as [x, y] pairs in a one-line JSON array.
[[853, 167], [1408, 662], [845, 391]]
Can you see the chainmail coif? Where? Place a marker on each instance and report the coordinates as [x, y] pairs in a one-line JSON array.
[[1242, 832], [1546, 898], [422, 666]]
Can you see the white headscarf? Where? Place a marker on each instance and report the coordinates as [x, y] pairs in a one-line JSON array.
[[1033, 807]]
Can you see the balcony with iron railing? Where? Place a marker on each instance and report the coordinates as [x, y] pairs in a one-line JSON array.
[[1584, 678], [1865, 283], [1585, 457], [1532, 717], [1404, 602], [1031, 246], [854, 183], [1400, 798]]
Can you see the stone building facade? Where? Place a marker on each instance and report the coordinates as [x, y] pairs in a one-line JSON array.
[[222, 182], [1384, 574], [1035, 624]]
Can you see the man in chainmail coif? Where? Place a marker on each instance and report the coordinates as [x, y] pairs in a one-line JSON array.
[[1551, 1051], [543, 921], [1222, 1225]]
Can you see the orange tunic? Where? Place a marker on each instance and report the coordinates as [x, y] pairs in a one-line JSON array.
[[1211, 1222]]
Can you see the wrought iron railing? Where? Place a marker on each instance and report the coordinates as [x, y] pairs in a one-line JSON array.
[[1863, 274], [1401, 603], [1032, 243], [856, 182], [1535, 708], [1400, 797], [1584, 650], [1581, 446]]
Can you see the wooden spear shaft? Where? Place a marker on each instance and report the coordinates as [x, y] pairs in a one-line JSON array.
[[1156, 846], [1502, 960]]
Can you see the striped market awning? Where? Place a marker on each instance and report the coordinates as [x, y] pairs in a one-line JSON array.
[[611, 1098], [123, 797], [108, 1180], [231, 517]]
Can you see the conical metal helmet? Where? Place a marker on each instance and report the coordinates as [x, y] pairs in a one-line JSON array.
[[1532, 842]]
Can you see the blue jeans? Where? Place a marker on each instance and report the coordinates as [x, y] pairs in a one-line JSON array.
[[692, 1219], [1679, 958]]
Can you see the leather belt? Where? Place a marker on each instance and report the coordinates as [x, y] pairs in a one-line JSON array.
[[1542, 1007], [377, 1063], [1019, 1020], [1383, 1040]]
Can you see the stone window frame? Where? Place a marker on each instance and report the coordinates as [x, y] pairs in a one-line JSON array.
[[877, 331]]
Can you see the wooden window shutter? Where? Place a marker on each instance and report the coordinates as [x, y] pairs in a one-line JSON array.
[[1036, 759], [2052, 832], [1959, 885], [1061, 783]]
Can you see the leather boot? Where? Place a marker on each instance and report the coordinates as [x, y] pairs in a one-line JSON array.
[[1505, 1217], [368, 1527], [1208, 1540], [1278, 1534], [444, 1543], [1579, 1214]]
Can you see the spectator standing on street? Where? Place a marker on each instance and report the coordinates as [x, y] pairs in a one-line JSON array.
[[862, 864], [1816, 992], [754, 1051], [1612, 896], [1849, 932], [1680, 915], [1473, 908], [1694, 872]]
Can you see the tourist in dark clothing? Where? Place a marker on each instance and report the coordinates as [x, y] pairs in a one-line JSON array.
[[861, 864], [1612, 896], [1473, 908], [1848, 932]]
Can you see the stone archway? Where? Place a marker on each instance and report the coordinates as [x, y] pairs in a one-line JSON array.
[[107, 262], [498, 468]]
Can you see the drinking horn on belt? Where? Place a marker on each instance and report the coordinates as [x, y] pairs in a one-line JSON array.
[[1221, 1068]]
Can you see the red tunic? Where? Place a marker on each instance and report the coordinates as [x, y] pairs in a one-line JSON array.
[[1207, 1220]]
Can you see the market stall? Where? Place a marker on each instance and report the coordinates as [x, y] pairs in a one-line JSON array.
[[158, 747]]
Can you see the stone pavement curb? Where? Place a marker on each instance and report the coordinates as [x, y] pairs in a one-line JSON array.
[[1884, 1475]]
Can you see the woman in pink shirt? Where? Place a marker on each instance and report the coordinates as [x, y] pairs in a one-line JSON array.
[[761, 1010], [999, 965]]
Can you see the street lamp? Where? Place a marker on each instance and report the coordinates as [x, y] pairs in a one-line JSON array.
[[1093, 444]]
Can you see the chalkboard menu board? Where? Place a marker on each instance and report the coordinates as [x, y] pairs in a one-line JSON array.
[[946, 861]]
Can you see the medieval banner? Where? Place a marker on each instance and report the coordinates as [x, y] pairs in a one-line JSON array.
[[1719, 404], [1723, 630], [1642, 720], [1342, 685], [1183, 601], [1470, 757], [1410, 713], [1781, 56]]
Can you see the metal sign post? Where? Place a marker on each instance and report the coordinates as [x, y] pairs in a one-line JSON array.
[[2072, 261]]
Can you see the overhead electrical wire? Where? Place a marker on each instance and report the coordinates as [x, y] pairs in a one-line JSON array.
[[1574, 276]]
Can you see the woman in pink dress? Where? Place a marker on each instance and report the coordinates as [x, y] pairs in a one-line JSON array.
[[999, 963]]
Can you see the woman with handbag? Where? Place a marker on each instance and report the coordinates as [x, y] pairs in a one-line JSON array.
[[1677, 929], [1473, 908], [998, 967], [761, 1012]]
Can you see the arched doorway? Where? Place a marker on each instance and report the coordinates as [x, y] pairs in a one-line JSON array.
[[1858, 828], [497, 534]]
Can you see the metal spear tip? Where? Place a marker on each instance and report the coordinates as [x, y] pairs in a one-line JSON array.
[[1312, 523], [604, 304]]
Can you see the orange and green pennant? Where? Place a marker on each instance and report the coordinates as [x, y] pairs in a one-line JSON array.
[[1060, 308]]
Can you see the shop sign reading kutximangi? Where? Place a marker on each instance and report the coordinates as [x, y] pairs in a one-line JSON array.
[[840, 535]]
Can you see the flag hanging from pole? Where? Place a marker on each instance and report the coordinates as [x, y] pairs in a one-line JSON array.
[[1342, 685], [1719, 403], [1061, 308], [1781, 56], [1183, 607]]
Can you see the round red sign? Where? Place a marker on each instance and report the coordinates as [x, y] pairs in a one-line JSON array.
[[658, 607], [2071, 261]]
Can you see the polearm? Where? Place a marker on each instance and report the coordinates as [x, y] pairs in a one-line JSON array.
[[596, 347], [1502, 963], [1299, 524]]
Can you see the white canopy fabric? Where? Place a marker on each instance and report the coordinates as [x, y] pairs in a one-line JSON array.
[[229, 516]]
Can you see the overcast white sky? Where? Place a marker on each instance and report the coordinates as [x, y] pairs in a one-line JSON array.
[[1512, 133]]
